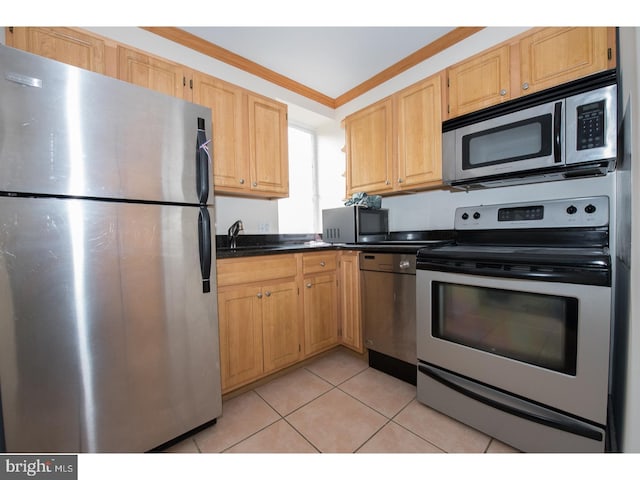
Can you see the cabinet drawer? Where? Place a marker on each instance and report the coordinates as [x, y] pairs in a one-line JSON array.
[[318, 262], [234, 271]]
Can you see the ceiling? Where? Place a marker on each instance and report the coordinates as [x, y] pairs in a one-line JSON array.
[[329, 60]]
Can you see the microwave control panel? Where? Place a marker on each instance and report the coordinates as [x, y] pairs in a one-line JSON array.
[[590, 129]]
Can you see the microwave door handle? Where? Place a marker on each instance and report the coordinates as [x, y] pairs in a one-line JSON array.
[[557, 132]]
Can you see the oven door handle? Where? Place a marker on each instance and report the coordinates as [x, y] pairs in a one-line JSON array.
[[514, 406]]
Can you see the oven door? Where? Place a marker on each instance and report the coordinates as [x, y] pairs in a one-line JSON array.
[[525, 140], [547, 342]]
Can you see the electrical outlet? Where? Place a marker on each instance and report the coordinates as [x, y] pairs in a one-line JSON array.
[[264, 228]]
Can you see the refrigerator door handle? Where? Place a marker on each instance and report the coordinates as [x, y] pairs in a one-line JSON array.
[[202, 163], [204, 241]]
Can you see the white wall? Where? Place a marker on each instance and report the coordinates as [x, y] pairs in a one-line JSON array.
[[258, 216]]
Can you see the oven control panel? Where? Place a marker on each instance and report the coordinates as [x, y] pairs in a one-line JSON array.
[[569, 212]]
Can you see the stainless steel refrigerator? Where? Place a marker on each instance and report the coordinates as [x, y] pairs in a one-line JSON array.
[[108, 309]]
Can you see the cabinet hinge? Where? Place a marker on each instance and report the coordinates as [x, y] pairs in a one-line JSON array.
[[299, 347], [448, 82], [609, 53], [448, 108], [184, 81], [10, 29], [191, 84]]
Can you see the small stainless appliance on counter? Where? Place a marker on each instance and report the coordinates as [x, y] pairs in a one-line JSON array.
[[355, 224], [108, 310]]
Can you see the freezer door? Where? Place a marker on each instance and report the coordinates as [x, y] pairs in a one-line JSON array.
[[107, 341], [67, 131]]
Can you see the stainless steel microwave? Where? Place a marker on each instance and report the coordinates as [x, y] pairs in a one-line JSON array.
[[355, 224], [563, 138]]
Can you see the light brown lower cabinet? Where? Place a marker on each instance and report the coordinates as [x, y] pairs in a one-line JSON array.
[[350, 329], [259, 317], [320, 312], [276, 310]]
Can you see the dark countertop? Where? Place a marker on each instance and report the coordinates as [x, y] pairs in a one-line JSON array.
[[254, 245]]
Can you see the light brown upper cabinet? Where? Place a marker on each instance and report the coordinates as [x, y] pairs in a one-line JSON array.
[[152, 73], [536, 60], [553, 56], [250, 149], [479, 82], [230, 140], [394, 145], [419, 135], [369, 137], [67, 45], [268, 146]]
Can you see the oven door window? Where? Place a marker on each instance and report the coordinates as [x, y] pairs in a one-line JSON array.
[[537, 329], [522, 140]]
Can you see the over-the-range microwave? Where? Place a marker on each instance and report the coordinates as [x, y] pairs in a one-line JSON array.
[[560, 138]]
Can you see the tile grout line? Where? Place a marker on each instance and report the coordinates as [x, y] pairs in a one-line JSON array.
[[254, 433]]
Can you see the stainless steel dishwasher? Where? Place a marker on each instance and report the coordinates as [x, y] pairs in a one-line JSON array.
[[388, 282]]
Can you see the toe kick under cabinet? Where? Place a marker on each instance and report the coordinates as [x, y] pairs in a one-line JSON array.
[[276, 310]]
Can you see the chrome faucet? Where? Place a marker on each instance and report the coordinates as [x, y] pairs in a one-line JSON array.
[[232, 233]]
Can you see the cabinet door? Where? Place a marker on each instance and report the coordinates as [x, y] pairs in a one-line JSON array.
[[369, 135], [320, 313], [554, 56], [240, 321], [479, 82], [230, 160], [153, 73], [62, 44], [419, 133], [268, 147], [280, 325], [349, 295]]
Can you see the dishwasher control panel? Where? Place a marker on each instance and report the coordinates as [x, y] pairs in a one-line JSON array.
[[388, 262]]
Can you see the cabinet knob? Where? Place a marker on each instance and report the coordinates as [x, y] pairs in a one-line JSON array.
[[259, 295], [525, 86], [387, 182], [308, 285], [399, 180], [503, 92], [267, 293], [255, 184], [242, 181], [322, 264]]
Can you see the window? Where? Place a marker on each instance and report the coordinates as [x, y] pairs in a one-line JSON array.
[[300, 213]]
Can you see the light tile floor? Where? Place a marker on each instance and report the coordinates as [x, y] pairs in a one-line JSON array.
[[335, 404]]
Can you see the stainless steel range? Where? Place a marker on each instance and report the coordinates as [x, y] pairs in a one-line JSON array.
[[513, 323]]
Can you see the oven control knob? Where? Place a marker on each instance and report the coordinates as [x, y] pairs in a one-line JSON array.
[[571, 209], [465, 216], [476, 215], [590, 208]]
